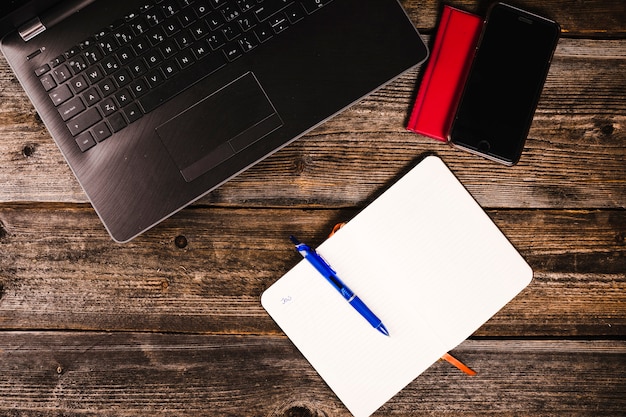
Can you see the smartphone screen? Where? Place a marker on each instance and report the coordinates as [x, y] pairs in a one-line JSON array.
[[504, 83]]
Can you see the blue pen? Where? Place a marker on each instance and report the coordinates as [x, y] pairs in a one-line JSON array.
[[327, 272]]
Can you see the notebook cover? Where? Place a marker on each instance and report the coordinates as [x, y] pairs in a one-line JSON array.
[[445, 74]]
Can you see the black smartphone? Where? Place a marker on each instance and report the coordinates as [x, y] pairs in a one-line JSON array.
[[504, 83]]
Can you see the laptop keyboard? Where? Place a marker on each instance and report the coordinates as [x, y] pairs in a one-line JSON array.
[[147, 57]]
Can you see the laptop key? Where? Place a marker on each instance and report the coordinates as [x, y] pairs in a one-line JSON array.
[[117, 122], [107, 44], [248, 42], [138, 88], [245, 5], [246, 23], [185, 58], [94, 74], [48, 82], [278, 23], [122, 77], [314, 5], [218, 3], [93, 54], [169, 8], [154, 58], [61, 74], [216, 40], [230, 13], [294, 13], [123, 97], [201, 9], [200, 50], [91, 96], [169, 69], [154, 16], [60, 95], [187, 17], [232, 51], [264, 32], [231, 32], [101, 131], [71, 108], [78, 84], [132, 112], [57, 61], [215, 20], [42, 70], [155, 77], [108, 107], [85, 141], [84, 121], [106, 87], [270, 7], [78, 64]]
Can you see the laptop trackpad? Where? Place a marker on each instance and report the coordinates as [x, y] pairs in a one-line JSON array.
[[219, 126]]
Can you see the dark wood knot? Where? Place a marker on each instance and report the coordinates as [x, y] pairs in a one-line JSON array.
[[28, 150], [299, 409], [606, 127], [180, 241], [301, 164]]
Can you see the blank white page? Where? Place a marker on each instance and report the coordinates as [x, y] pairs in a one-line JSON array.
[[426, 259]]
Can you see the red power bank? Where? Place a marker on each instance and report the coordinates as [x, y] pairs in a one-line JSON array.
[[445, 74]]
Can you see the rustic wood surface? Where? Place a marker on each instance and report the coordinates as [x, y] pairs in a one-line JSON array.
[[171, 323]]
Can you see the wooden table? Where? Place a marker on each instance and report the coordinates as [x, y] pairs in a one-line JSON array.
[[171, 323]]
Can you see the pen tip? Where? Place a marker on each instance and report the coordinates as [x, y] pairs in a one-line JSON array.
[[383, 330], [294, 240]]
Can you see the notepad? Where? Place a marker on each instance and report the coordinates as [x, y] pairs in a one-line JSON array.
[[426, 259]]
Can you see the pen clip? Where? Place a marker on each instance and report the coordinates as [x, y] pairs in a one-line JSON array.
[[330, 268]]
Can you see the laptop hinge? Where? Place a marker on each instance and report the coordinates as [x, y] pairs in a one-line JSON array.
[[31, 29]]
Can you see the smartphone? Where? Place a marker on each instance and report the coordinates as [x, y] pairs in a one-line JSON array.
[[504, 83]]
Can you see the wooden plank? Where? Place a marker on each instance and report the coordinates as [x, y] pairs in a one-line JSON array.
[[130, 374], [597, 18], [574, 157], [59, 268]]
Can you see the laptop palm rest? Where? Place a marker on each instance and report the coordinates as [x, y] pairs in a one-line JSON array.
[[215, 128]]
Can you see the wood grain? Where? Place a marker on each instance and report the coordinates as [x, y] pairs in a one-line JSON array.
[[590, 19], [127, 374], [60, 268]]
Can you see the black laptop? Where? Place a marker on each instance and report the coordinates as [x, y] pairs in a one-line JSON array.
[[155, 103]]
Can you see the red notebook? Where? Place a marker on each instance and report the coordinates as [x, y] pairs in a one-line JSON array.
[[445, 74]]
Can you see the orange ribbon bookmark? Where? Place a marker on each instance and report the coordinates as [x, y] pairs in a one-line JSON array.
[[454, 361]]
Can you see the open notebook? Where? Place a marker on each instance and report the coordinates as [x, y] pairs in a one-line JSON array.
[[426, 259]]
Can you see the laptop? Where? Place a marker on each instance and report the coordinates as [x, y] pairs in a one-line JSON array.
[[154, 103]]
